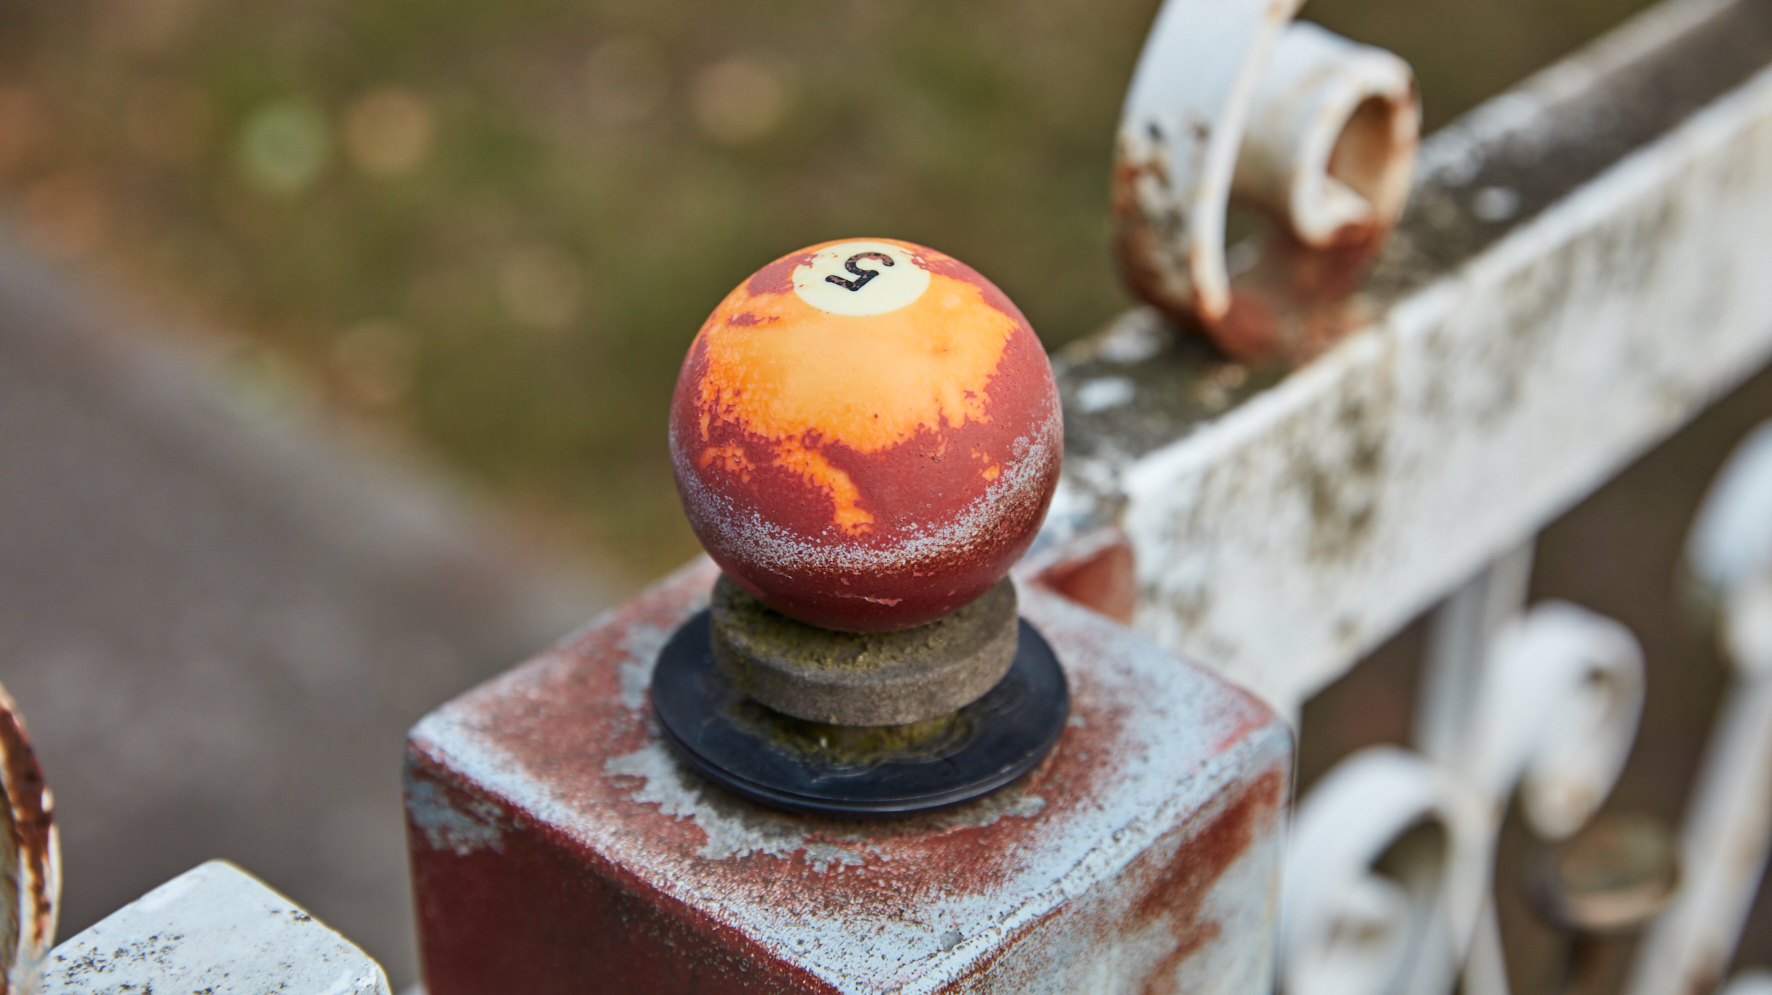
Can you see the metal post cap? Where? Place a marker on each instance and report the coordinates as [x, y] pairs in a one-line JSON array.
[[866, 435]]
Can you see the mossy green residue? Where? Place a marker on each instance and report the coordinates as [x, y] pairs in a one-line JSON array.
[[753, 628], [854, 747]]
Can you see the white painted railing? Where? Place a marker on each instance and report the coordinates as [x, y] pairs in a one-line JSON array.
[[1729, 820], [1585, 263]]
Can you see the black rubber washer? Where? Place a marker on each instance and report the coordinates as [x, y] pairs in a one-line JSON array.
[[738, 745]]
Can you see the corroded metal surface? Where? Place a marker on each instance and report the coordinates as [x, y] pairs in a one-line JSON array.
[[1315, 132], [1611, 877], [30, 858], [558, 845], [1582, 268]]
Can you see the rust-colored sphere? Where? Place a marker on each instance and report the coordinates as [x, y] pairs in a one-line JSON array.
[[866, 434]]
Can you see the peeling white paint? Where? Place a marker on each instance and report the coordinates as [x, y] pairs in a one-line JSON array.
[[1103, 393], [666, 784], [644, 644], [215, 930], [463, 830], [1181, 738], [1372, 481]]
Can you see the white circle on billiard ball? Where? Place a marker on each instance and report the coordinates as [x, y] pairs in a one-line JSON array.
[[859, 278]]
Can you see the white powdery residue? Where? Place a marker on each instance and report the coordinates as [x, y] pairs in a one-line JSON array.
[[1098, 864], [1456, 153], [1134, 338], [644, 643], [459, 746], [1146, 820], [463, 748], [636, 677], [727, 835], [1025, 807], [824, 856], [1103, 393], [867, 946], [351, 981], [446, 826], [783, 552], [172, 890]]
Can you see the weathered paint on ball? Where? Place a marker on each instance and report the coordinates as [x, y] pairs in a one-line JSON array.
[[866, 434]]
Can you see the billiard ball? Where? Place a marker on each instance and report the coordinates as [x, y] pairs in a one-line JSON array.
[[866, 434]]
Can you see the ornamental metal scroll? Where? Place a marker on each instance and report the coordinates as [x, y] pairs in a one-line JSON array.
[[1554, 715], [1318, 133], [1727, 833], [1349, 928]]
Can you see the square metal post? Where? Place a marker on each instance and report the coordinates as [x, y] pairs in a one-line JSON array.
[[559, 847]]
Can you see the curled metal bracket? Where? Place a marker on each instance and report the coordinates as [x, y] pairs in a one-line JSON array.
[[1556, 714], [30, 859], [1234, 99], [1346, 927], [1730, 552]]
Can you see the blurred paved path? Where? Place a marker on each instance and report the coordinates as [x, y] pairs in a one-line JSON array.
[[219, 626]]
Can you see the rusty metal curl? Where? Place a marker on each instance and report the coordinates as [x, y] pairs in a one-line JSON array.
[[1234, 101], [30, 861]]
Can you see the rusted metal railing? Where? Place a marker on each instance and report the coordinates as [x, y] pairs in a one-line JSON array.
[[1576, 275]]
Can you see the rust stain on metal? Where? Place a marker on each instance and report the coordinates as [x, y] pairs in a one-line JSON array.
[[1097, 571], [1296, 301], [1171, 889], [1287, 309], [1145, 235], [543, 802], [1176, 893], [32, 885]]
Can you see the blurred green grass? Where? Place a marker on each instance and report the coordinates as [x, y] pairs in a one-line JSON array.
[[491, 227]]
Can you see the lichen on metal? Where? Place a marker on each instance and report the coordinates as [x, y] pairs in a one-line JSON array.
[[1501, 367], [1140, 853]]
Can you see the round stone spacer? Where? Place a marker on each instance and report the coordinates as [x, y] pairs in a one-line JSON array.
[[863, 678], [866, 435]]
